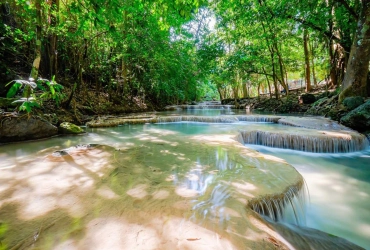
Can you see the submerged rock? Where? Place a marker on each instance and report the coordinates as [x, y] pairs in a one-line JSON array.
[[359, 118], [20, 128], [70, 128]]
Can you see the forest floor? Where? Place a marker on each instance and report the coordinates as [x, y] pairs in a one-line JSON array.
[[87, 104], [297, 101]]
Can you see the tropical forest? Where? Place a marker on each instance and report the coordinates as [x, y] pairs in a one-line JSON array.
[[184, 124]]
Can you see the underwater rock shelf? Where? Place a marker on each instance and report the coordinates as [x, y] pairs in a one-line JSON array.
[[116, 121], [317, 135], [189, 188]]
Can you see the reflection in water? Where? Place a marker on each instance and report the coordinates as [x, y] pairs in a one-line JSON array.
[[160, 187]]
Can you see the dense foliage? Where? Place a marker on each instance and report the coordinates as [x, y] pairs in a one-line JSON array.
[[165, 52]]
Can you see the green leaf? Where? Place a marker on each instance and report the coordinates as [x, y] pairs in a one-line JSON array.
[[13, 90], [52, 90], [23, 107]]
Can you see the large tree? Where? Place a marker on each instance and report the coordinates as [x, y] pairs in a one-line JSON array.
[[355, 80]]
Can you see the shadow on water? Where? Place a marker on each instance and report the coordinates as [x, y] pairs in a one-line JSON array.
[[159, 186], [158, 189]]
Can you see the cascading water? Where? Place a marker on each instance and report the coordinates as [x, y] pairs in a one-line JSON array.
[[258, 118], [209, 106], [339, 185], [305, 140], [287, 207]]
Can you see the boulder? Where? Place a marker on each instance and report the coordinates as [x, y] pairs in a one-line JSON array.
[[226, 101], [353, 102], [308, 98], [19, 128], [70, 128], [359, 118]]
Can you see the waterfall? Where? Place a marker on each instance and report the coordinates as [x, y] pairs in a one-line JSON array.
[[321, 142], [207, 106], [206, 119], [258, 118], [276, 207], [108, 122], [310, 135], [116, 121]]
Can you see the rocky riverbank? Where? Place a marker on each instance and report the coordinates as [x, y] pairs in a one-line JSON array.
[[353, 112]]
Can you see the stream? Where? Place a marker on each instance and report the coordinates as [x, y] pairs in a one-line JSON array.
[[162, 161]]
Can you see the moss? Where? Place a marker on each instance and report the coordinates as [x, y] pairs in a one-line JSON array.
[[353, 102], [70, 128], [359, 118], [336, 113], [346, 93], [318, 102]]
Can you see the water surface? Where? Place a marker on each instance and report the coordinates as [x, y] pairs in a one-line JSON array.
[[162, 171], [339, 186]]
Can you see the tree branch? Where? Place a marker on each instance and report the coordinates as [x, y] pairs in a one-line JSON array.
[[257, 72], [326, 33]]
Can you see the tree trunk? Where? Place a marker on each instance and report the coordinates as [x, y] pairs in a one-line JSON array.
[[307, 61], [36, 62], [272, 55], [333, 72], [268, 82], [220, 93], [124, 58], [53, 39], [281, 67], [274, 77], [355, 80], [313, 65], [245, 90], [333, 68]]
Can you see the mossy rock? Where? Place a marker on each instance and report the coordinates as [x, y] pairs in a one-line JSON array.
[[323, 95], [353, 102], [337, 112], [20, 128], [308, 98], [70, 128], [359, 118], [289, 104], [320, 101]]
